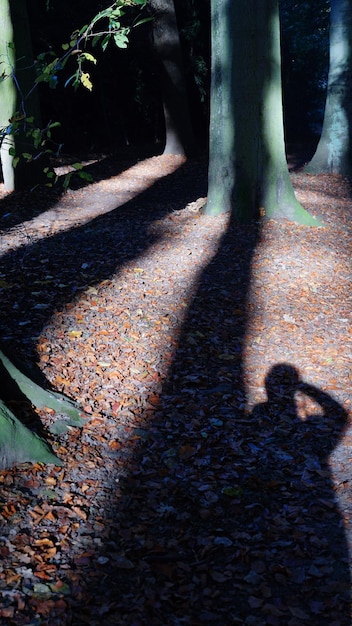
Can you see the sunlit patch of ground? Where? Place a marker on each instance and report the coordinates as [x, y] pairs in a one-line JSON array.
[[109, 341]]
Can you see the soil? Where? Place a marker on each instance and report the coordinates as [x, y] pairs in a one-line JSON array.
[[210, 482]]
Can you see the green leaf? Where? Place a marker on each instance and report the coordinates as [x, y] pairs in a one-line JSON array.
[[96, 40], [86, 176], [88, 57], [143, 21], [100, 16], [83, 29], [105, 42], [41, 78], [66, 181], [51, 66], [54, 125], [121, 40], [114, 25]]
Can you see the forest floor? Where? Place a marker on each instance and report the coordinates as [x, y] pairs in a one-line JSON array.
[[188, 496]]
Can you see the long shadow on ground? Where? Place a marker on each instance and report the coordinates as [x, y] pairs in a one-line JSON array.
[[226, 517], [18, 207], [221, 517], [42, 277]]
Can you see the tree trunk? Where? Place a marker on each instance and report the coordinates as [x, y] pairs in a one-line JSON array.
[[18, 444], [18, 67], [8, 93], [248, 173], [178, 128], [334, 151]]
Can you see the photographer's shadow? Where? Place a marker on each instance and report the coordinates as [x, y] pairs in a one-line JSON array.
[[306, 563]]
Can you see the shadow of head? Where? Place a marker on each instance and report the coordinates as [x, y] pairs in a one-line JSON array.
[[281, 383]]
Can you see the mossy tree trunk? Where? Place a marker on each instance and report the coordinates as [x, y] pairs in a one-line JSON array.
[[18, 444], [334, 151], [248, 172]]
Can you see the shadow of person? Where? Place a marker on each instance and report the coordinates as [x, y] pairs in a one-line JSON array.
[[304, 569]]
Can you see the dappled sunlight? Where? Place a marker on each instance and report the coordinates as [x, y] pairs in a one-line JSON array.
[[299, 308], [78, 207], [159, 321], [149, 302], [318, 190]]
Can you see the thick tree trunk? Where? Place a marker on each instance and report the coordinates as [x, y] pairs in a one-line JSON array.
[[248, 173], [18, 444], [178, 128], [334, 151]]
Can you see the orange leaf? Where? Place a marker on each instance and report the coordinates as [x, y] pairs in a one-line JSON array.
[[42, 575], [79, 512], [154, 399]]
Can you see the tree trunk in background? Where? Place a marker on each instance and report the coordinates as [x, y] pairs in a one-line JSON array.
[[178, 128], [334, 151], [27, 175], [8, 93], [17, 64], [248, 173]]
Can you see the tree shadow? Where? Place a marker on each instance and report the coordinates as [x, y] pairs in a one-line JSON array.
[[36, 282], [172, 519], [220, 516], [18, 207], [225, 517]]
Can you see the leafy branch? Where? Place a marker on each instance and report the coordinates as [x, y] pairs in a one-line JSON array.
[[106, 26], [110, 29]]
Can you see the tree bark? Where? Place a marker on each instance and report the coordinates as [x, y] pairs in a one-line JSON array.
[[334, 151], [248, 172], [8, 93], [179, 137], [18, 444], [17, 65]]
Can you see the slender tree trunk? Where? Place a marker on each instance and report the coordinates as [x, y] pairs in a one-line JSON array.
[[8, 93], [178, 128], [334, 151], [17, 66], [248, 173], [29, 174]]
